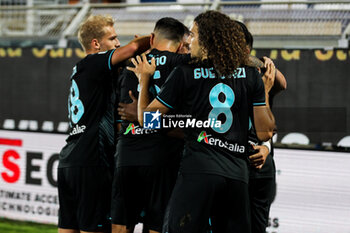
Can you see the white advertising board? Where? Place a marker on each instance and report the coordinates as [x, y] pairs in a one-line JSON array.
[[28, 175], [313, 192], [313, 187]]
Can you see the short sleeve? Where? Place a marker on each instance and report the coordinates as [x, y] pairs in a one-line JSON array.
[[101, 61]]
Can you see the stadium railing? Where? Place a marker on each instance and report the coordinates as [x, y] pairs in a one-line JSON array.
[[296, 23]]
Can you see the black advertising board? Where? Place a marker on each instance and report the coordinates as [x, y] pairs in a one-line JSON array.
[[34, 85]]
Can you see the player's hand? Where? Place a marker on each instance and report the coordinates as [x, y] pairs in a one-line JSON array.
[[258, 160], [267, 61], [269, 76], [128, 111], [143, 69], [147, 51]]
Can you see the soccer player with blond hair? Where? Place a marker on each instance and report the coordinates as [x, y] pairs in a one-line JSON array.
[[84, 177]]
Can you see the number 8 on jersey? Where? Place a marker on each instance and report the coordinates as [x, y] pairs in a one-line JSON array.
[[220, 107]]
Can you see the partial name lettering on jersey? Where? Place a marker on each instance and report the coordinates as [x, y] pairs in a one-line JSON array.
[[160, 60], [165, 62], [77, 129], [203, 137], [209, 73]]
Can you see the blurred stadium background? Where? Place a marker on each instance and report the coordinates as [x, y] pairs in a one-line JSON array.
[[308, 41]]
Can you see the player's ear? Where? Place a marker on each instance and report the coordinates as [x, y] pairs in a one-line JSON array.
[[151, 41], [248, 49], [95, 44], [180, 45]]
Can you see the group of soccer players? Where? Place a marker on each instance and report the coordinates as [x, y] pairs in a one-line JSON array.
[[172, 180]]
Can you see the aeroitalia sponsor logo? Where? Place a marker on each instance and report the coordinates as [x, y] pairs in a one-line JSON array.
[[203, 135], [137, 130], [131, 127], [218, 142]]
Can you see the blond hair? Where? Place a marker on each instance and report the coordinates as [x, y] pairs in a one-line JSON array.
[[93, 28]]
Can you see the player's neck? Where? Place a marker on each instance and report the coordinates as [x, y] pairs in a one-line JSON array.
[[165, 46], [91, 51]]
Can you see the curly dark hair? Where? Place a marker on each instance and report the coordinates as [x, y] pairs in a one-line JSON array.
[[222, 39]]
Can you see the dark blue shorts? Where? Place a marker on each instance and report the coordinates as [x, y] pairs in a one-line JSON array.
[[201, 203], [84, 197]]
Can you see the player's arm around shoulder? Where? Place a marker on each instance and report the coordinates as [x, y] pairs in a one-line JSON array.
[[280, 82], [263, 118], [264, 122], [134, 47]]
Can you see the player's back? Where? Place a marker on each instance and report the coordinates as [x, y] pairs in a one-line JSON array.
[[209, 100], [88, 104], [138, 146], [165, 63]]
